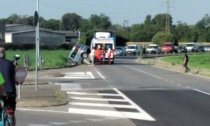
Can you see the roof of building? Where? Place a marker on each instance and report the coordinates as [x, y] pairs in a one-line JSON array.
[[25, 31], [66, 33]]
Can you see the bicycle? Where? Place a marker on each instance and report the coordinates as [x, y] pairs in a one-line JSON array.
[[6, 118]]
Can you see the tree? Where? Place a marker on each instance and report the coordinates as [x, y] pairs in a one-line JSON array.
[[147, 22], [203, 29], [27, 20], [71, 21], [182, 32], [160, 21], [85, 25], [51, 24], [13, 19], [162, 37], [101, 22], [137, 33]]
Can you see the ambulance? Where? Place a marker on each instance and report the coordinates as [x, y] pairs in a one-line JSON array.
[[105, 40]]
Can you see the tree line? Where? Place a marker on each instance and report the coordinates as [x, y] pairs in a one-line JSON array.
[[142, 32]]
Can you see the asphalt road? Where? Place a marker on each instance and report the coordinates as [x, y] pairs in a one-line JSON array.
[[144, 95]]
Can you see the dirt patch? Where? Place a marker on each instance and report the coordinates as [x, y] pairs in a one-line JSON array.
[[44, 99]]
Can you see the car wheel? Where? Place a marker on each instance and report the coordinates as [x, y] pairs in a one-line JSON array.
[[84, 55]]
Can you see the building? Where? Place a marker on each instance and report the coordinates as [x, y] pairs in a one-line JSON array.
[[70, 36], [17, 33]]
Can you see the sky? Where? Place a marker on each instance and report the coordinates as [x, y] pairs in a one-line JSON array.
[[119, 11]]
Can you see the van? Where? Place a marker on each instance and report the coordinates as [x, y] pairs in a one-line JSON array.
[[133, 49], [192, 46]]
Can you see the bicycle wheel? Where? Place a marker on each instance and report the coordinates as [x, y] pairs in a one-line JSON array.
[[8, 121]]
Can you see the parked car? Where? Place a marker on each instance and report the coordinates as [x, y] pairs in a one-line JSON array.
[[207, 48], [201, 49], [182, 49], [153, 49], [120, 51]]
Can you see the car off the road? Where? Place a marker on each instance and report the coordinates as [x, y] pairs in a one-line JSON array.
[[78, 53]]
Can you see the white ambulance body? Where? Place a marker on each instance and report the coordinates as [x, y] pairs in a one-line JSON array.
[[106, 40]]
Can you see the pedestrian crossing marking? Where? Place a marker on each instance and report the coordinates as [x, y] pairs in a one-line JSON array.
[[116, 114], [69, 86], [78, 75], [81, 104], [103, 105], [96, 94], [98, 99]]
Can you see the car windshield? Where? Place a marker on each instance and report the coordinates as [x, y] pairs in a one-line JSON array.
[[104, 45], [118, 48], [131, 47], [167, 44], [181, 47], [189, 45], [207, 46], [152, 47]]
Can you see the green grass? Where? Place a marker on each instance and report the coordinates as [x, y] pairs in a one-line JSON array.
[[198, 61], [52, 58]]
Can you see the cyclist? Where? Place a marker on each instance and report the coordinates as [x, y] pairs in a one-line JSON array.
[[7, 69]]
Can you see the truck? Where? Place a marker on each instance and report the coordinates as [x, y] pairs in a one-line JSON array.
[[105, 39], [168, 47], [133, 49]]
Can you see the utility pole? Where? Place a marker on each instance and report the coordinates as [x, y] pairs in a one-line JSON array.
[[167, 29], [37, 45]]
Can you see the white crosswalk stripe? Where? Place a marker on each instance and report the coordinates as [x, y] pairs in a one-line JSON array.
[[78, 75], [99, 104]]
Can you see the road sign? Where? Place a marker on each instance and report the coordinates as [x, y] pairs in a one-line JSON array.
[[20, 75]]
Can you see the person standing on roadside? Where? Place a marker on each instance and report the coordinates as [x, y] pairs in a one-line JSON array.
[[92, 55], [98, 53], [103, 54], [185, 63], [7, 70], [109, 52]]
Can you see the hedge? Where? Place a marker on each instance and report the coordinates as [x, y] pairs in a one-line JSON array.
[[29, 46]]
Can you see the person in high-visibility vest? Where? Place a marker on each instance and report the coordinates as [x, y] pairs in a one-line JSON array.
[[7, 69], [98, 53]]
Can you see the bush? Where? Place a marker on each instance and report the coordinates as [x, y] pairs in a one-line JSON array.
[[23, 46], [161, 37], [29, 46], [65, 46]]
